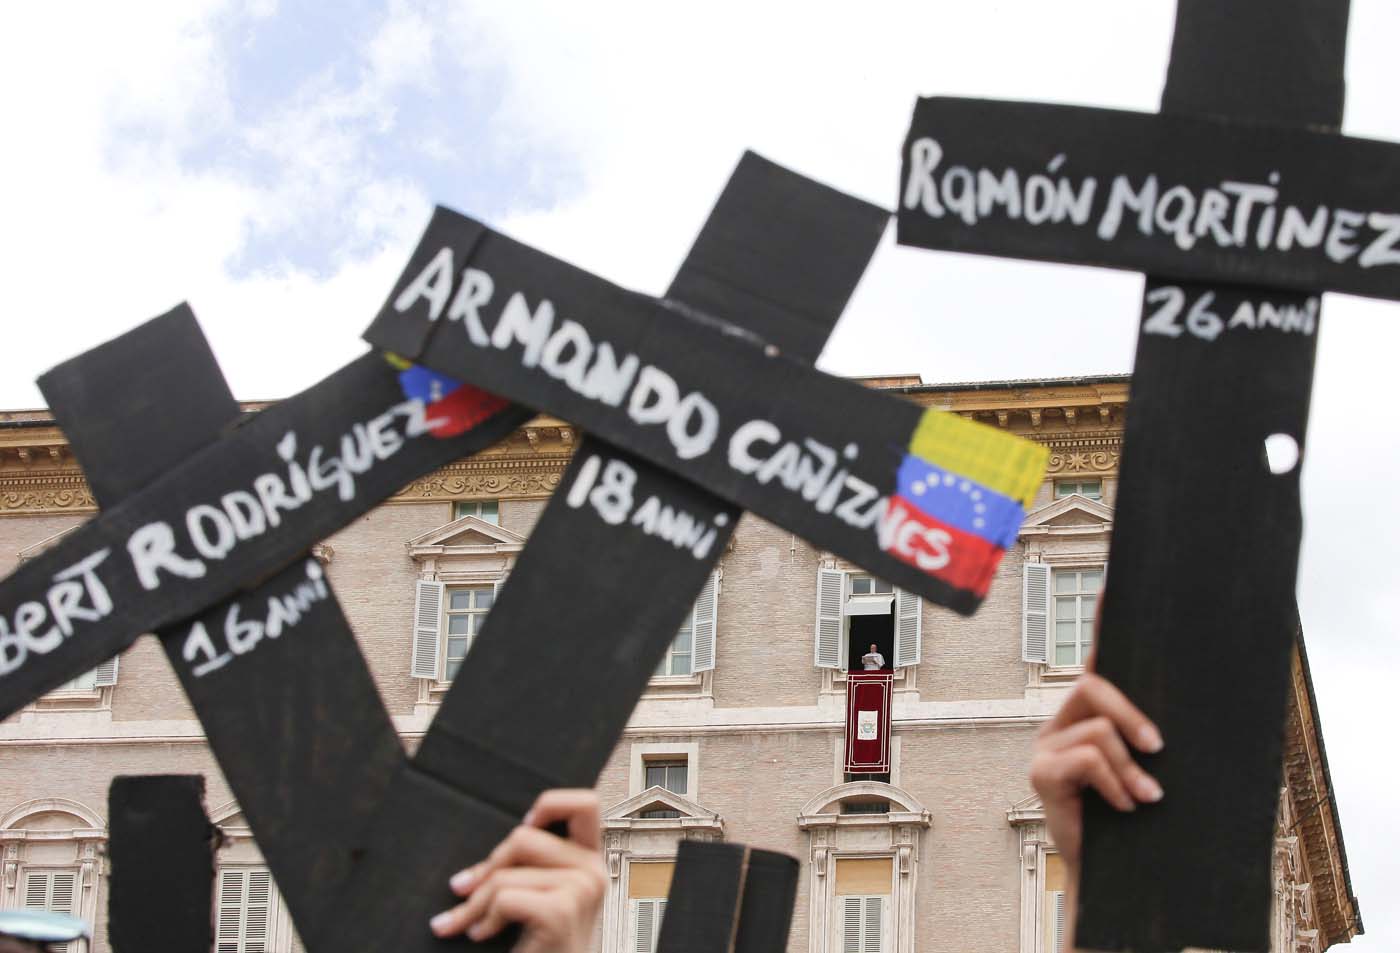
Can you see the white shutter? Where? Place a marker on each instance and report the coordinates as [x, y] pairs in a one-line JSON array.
[[226, 936], [105, 675], [1058, 932], [257, 915], [1035, 618], [61, 895], [831, 589], [706, 620], [909, 628], [850, 925], [874, 925], [36, 891], [427, 629], [644, 926]]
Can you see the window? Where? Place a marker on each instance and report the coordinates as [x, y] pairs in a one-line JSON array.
[[672, 774], [488, 510], [862, 924], [677, 660], [648, 884], [51, 890], [467, 607], [856, 610], [693, 649], [245, 910], [1092, 489], [865, 807], [1075, 596]]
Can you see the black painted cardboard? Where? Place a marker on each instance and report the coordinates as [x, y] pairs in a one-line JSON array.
[[297, 725], [802, 402], [728, 898], [160, 845], [544, 666], [362, 391], [1221, 192], [1202, 411], [1198, 610]]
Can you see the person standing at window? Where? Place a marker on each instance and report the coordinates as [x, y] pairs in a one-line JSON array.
[[872, 661]]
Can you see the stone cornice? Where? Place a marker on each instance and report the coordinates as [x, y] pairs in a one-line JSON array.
[[1080, 422]]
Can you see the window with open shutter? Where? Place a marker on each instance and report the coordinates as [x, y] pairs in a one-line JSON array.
[[54, 891], [646, 924], [1035, 617], [705, 622], [831, 592], [909, 625], [105, 675], [427, 629]]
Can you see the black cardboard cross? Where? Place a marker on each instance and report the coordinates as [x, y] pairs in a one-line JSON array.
[[1242, 203], [334, 766]]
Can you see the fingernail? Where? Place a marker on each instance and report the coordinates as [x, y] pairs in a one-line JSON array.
[[529, 819], [462, 879], [441, 922], [477, 930], [1150, 739], [1149, 790]]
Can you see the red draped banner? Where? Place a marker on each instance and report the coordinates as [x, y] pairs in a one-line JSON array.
[[868, 722]]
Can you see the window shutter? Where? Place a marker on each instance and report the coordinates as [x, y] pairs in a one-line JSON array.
[[1035, 619], [909, 628], [851, 923], [230, 911], [106, 673], [427, 629], [831, 589], [874, 924], [645, 926], [1058, 898], [36, 891], [258, 913], [61, 897], [703, 631]]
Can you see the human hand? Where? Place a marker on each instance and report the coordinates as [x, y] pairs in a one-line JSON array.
[[551, 886], [1083, 746]]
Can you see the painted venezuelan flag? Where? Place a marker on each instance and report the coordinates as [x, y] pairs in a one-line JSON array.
[[967, 485], [452, 407]]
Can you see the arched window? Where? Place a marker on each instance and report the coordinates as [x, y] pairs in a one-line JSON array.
[[864, 840], [50, 857]]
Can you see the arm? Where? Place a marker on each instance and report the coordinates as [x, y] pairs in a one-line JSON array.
[[1084, 746], [551, 886]]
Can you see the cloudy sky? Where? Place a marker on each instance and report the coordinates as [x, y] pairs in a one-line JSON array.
[[272, 163]]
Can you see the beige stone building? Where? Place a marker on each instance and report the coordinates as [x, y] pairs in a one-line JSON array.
[[740, 734]]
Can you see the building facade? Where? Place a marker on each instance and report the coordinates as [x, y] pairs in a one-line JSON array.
[[740, 733]]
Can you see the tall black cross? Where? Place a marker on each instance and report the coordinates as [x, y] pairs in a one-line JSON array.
[[1242, 203]]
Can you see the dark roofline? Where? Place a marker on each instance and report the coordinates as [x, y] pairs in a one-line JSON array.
[[1327, 776], [1087, 381]]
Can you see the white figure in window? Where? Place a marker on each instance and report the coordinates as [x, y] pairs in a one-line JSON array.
[[872, 660]]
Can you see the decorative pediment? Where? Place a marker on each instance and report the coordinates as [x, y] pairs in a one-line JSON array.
[[1029, 810], [468, 536], [1073, 515], [658, 799], [29, 552]]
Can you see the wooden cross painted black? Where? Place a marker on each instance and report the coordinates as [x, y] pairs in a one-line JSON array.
[[728, 898], [161, 848], [1242, 203]]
